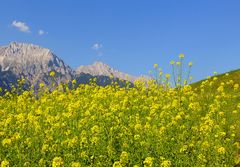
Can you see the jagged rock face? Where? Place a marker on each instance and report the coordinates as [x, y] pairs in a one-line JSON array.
[[101, 69], [6, 79], [33, 63]]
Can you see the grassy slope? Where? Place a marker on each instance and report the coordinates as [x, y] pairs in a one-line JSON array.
[[233, 75], [211, 92], [225, 79]]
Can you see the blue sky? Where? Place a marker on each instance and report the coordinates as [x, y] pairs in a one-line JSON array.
[[129, 35]]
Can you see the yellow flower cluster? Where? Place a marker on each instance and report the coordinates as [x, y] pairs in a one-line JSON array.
[[146, 125]]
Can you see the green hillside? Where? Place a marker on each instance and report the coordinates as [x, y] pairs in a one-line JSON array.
[[226, 83], [223, 86], [232, 77]]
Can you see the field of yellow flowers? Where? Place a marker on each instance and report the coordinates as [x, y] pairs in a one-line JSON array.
[[151, 125]]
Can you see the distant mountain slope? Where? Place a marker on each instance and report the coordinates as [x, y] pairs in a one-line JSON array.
[[102, 69], [6, 79], [33, 63]]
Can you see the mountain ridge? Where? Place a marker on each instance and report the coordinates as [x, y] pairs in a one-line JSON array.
[[99, 68], [33, 62]]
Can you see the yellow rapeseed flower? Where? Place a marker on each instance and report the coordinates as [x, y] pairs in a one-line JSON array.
[[148, 162], [75, 164], [6, 142], [5, 163], [178, 63], [167, 76], [52, 74], [124, 158], [181, 56], [117, 164], [166, 163], [190, 64], [57, 162], [221, 150], [74, 81], [172, 62], [41, 85], [155, 66], [236, 86]]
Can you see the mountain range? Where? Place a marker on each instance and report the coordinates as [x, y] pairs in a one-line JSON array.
[[34, 63]]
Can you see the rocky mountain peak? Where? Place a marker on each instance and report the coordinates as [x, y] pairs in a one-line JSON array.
[[99, 68], [100, 63], [32, 62]]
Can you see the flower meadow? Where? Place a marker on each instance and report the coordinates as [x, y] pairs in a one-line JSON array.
[[149, 125]]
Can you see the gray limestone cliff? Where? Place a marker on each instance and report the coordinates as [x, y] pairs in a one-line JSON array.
[[34, 63]]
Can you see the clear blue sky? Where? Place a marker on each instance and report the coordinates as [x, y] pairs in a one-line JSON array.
[[129, 35]]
